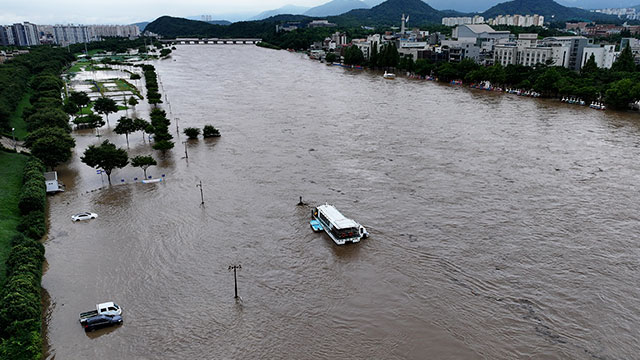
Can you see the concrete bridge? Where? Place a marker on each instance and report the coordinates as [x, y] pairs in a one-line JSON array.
[[213, 41]]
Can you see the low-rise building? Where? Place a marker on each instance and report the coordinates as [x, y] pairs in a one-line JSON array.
[[320, 23], [528, 51], [473, 33], [576, 45], [605, 55]]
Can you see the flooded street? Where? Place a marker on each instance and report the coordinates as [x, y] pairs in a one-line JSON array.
[[501, 227]]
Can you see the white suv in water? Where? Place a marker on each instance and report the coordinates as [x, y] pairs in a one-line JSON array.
[[84, 216]]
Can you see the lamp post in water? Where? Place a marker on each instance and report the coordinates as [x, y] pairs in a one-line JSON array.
[[235, 277], [186, 155], [201, 194]]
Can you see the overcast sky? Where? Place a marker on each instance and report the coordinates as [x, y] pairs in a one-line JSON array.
[[130, 11]]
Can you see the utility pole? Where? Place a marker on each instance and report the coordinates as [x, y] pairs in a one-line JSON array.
[[177, 121], [13, 135], [235, 277], [201, 194], [186, 156]]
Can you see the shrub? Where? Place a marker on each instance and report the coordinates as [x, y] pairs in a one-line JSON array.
[[191, 132], [25, 342], [33, 197], [33, 225], [210, 131], [163, 145]]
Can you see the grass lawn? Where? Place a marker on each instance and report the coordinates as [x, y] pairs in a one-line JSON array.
[[124, 85], [16, 121], [10, 186]]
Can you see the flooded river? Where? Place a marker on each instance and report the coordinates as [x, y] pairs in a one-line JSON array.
[[501, 227]]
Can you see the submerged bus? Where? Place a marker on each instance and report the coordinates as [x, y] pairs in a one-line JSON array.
[[339, 228]]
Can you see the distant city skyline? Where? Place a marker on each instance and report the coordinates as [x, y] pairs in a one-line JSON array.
[[127, 12]]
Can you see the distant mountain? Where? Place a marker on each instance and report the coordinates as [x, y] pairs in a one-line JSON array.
[[336, 7], [175, 27], [551, 10], [373, 3], [287, 9], [390, 13], [172, 27], [141, 25]]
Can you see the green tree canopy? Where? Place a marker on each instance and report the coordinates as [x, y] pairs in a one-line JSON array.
[[353, 56], [51, 145], [547, 83], [106, 157], [163, 145], [70, 107], [141, 125], [389, 56], [125, 126], [105, 106], [590, 66], [79, 98], [91, 121], [373, 57], [48, 117], [191, 132], [133, 101], [143, 162], [625, 61], [622, 93]]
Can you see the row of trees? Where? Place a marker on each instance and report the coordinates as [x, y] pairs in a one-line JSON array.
[[617, 87], [151, 80], [388, 57], [49, 136], [17, 74], [20, 298], [108, 157], [208, 131], [160, 130]]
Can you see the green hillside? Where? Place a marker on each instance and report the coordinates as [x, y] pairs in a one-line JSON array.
[[551, 10]]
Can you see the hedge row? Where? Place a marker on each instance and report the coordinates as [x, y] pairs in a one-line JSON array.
[[20, 299], [151, 80]]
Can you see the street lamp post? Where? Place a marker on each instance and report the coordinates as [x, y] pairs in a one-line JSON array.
[[13, 135], [186, 155], [235, 277], [201, 193]]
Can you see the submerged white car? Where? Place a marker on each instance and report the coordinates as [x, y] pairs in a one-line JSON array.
[[84, 216]]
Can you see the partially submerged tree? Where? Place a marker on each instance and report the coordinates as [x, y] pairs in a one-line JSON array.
[[124, 127], [191, 132], [105, 106], [106, 157], [141, 125], [70, 108], [210, 131], [79, 98], [143, 162], [133, 101]]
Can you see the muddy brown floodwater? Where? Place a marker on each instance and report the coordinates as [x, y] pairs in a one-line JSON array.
[[501, 227]]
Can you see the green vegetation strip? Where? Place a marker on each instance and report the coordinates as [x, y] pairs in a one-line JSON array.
[[16, 120], [124, 85], [12, 166]]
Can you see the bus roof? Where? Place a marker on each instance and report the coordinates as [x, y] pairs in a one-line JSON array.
[[336, 218]]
